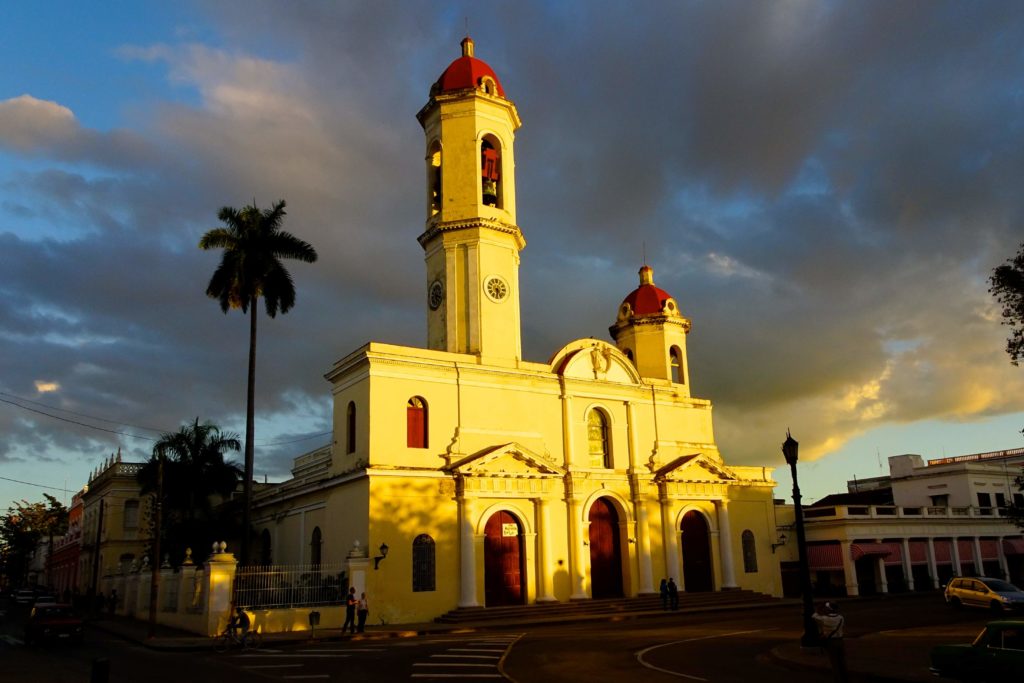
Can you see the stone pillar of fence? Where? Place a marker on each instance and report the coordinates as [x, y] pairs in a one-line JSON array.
[[131, 592], [167, 596], [357, 561], [219, 581]]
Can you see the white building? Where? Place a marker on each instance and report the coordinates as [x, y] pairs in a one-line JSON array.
[[913, 530]]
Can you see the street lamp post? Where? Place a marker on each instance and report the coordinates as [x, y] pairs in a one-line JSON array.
[[809, 638]]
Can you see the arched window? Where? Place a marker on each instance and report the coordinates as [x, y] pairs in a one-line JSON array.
[[266, 551], [434, 178], [423, 570], [675, 357], [597, 439], [350, 430], [490, 171], [416, 423], [749, 553], [316, 545]]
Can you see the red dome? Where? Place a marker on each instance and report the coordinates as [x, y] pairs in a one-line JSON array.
[[466, 72], [647, 299]]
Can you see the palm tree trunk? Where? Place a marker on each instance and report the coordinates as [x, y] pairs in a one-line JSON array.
[[250, 416]]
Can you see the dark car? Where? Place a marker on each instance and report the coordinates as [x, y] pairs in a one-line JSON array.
[[53, 622], [997, 654]]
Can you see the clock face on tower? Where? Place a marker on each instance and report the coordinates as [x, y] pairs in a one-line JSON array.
[[496, 288], [435, 294]]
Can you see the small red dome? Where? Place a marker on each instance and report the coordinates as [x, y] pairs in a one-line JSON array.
[[647, 299], [467, 72]]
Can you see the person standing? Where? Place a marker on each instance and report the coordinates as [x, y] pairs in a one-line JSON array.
[[362, 610], [673, 594], [350, 611], [831, 625], [663, 591]]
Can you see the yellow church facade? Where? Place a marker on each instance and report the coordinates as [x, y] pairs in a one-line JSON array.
[[493, 480]]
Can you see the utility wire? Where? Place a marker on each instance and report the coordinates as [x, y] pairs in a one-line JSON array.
[[71, 412], [42, 486], [114, 431]]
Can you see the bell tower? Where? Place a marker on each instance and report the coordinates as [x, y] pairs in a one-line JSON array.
[[471, 240]]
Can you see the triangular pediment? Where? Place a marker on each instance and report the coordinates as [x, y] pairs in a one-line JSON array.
[[510, 459], [694, 467]]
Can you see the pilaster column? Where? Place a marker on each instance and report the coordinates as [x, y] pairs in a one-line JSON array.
[[670, 539], [1004, 566], [955, 549], [543, 525], [933, 568], [849, 569], [908, 568], [467, 555], [572, 505], [643, 547], [725, 545], [979, 565], [883, 582]]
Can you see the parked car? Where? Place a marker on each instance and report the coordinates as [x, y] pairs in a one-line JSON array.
[[994, 594], [997, 654], [25, 597], [53, 621]]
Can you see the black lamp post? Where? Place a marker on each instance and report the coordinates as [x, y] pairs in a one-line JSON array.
[[790, 449]]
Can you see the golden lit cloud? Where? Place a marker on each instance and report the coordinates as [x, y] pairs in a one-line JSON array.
[[44, 387]]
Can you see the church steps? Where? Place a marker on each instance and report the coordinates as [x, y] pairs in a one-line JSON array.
[[608, 607]]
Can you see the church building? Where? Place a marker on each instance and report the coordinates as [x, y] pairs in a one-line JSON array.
[[494, 480]]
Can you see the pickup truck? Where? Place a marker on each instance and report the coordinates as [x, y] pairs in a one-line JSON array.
[[995, 656]]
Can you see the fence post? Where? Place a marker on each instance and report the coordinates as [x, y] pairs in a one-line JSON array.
[[220, 583]]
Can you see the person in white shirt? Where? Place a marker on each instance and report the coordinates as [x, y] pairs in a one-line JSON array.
[[831, 626], [362, 610]]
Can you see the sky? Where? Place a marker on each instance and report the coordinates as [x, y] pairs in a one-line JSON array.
[[824, 187]]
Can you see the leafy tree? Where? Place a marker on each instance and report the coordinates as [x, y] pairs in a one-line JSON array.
[[254, 245], [196, 479], [1008, 288], [21, 529]]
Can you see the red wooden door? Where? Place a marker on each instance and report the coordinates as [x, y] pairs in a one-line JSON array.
[[697, 575], [605, 552], [503, 575]]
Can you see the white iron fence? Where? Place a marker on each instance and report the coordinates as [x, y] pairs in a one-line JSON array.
[[262, 587]]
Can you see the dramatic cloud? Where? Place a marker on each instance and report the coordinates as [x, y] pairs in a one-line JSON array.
[[824, 187]]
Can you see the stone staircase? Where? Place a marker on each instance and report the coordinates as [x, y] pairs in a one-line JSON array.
[[609, 608]]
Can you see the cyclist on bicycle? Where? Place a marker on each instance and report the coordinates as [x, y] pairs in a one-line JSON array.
[[239, 624]]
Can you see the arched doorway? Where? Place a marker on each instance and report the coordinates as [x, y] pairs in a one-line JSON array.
[[605, 551], [503, 564], [697, 576]]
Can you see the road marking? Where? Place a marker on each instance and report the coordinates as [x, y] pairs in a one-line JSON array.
[[11, 640], [274, 666], [480, 675], [489, 666], [298, 656], [466, 656], [640, 655], [472, 649], [343, 649], [306, 676]]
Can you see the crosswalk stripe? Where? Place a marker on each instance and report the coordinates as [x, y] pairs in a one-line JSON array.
[[465, 656], [274, 666], [489, 666], [440, 675]]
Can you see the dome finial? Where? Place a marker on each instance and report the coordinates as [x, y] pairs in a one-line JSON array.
[[646, 275], [467, 46]]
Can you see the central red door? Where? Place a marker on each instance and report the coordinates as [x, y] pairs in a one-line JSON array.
[[605, 553], [503, 575]]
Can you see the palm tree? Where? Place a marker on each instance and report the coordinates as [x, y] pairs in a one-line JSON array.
[[196, 476], [250, 267]]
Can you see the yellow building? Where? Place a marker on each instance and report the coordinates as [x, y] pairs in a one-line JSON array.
[[494, 480]]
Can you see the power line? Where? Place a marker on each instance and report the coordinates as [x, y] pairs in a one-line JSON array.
[[42, 486], [71, 412], [114, 431]]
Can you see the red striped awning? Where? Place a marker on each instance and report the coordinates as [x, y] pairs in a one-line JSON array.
[[859, 550], [943, 551], [966, 547], [826, 557], [895, 552], [1013, 546], [989, 549], [918, 552]]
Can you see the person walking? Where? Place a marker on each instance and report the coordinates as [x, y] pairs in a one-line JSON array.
[[673, 594], [831, 626], [362, 610], [663, 591], [350, 611]]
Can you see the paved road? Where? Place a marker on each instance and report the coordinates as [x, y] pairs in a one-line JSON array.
[[723, 647]]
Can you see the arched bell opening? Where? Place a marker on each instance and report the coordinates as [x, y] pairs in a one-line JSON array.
[[490, 172], [434, 186]]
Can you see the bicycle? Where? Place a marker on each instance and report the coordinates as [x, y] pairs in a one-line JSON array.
[[229, 639]]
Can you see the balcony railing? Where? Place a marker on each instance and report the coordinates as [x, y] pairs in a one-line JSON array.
[[889, 511]]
